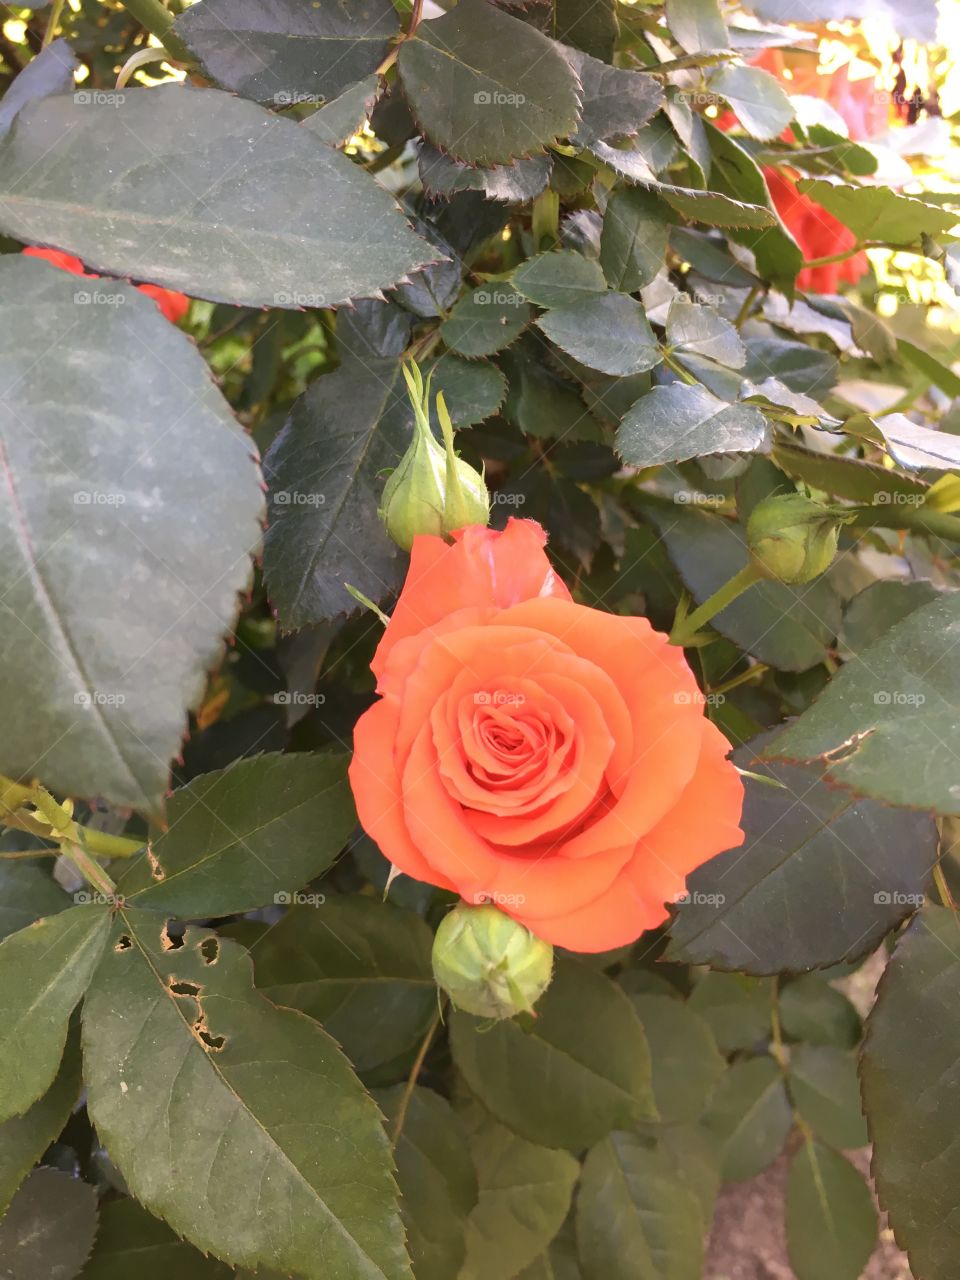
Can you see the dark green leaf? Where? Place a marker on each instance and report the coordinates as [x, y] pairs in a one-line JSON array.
[[697, 25], [24, 1139], [916, 446], [557, 279], [486, 320], [789, 627], [877, 213], [341, 118], [44, 971], [634, 1215], [100, 707], [525, 1193], [559, 1262], [326, 473], [240, 1124], [888, 724], [750, 1117], [51, 71], [831, 1219], [802, 368], [826, 1093], [590, 25], [911, 1083], [486, 87], [616, 102], [226, 201], [609, 332], [716, 209], [751, 909], [360, 967], [681, 421], [737, 1009], [633, 242], [760, 102], [569, 1076], [437, 1180], [472, 389], [514, 183], [49, 1228], [132, 1243], [812, 1010], [872, 612], [249, 835], [684, 1056], [287, 51], [27, 891]]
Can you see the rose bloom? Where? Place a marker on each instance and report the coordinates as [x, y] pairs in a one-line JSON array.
[[535, 752], [173, 305]]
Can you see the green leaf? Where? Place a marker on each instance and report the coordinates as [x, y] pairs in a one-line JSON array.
[[872, 612], [683, 1052], [929, 366], [826, 1093], [525, 1193], [609, 332], [736, 1008], [486, 320], [569, 1076], [131, 1242], [542, 404], [100, 707], [697, 25], [750, 1117], [24, 1138], [616, 102], [360, 967], [633, 242], [51, 71], [437, 1180], [241, 1124], [49, 1228], [791, 628], [341, 118], [760, 102], [514, 183], [804, 369], [679, 421], [590, 25], [717, 210], [486, 87], [812, 1010], [326, 474], [44, 971], [27, 891], [634, 1215], [887, 725], [699, 330], [916, 446], [472, 389], [198, 190], [910, 1073], [287, 51], [877, 213], [831, 1219], [245, 836], [558, 279], [751, 909], [560, 1260]]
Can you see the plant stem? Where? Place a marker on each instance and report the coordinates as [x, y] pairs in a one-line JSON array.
[[89, 868], [743, 315], [412, 1079], [940, 880], [937, 524], [159, 22], [687, 628], [52, 22], [14, 795]]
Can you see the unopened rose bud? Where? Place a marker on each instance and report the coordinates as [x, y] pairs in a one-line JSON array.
[[489, 964], [793, 539], [432, 491]]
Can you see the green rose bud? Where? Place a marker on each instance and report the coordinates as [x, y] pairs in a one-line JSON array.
[[432, 490], [793, 539], [489, 964]]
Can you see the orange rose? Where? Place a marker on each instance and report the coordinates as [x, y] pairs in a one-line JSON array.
[[819, 235], [174, 306], [535, 752]]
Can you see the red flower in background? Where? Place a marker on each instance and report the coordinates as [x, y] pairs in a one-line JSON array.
[[173, 305]]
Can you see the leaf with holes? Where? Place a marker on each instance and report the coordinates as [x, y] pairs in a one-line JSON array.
[[149, 464], [248, 835], [44, 971], [486, 87], [201, 191], [285, 51], [211, 1100]]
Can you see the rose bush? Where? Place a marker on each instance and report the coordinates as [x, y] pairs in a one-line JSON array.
[[536, 753]]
